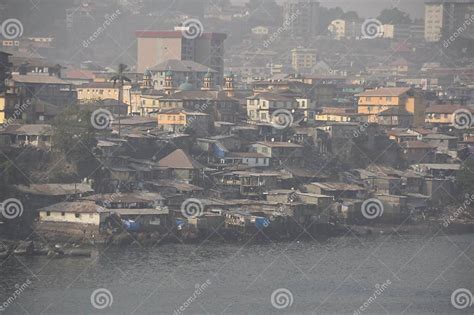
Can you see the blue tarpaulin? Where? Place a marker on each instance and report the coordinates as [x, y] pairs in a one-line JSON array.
[[130, 225], [262, 223]]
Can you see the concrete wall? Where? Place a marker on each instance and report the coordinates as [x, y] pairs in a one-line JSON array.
[[70, 217]]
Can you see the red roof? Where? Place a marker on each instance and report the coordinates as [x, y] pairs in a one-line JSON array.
[[78, 74], [417, 145], [444, 109], [395, 91], [179, 159]]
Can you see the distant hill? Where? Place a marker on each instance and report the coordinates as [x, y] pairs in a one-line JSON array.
[[370, 8]]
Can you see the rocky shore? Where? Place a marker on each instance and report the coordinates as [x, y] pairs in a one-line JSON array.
[[56, 247]]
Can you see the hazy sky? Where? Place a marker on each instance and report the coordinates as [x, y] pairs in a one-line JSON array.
[[369, 8]]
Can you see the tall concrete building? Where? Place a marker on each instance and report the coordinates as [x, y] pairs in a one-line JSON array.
[[303, 17], [445, 18], [303, 59], [155, 47]]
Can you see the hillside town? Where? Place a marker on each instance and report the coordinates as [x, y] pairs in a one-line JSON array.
[[306, 121]]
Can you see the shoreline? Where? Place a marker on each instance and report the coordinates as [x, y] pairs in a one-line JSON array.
[[55, 246]]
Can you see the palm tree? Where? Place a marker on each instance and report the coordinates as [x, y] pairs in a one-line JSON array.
[[120, 78]]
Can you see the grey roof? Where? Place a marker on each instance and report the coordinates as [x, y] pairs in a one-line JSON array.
[[28, 129]]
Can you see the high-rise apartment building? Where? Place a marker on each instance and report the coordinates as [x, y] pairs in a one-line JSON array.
[[445, 18], [155, 47], [303, 17]]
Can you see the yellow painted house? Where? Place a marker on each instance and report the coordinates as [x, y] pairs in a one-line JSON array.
[[7, 101], [149, 104], [373, 102], [2, 108], [177, 120], [96, 91], [339, 114]]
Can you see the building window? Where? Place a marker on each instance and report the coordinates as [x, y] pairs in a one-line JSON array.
[[63, 214], [77, 215], [48, 213]]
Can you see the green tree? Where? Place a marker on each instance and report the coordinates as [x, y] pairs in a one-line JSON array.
[[394, 16], [74, 139], [465, 178], [351, 16], [120, 78]]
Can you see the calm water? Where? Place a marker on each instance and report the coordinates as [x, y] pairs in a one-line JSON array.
[[325, 277]]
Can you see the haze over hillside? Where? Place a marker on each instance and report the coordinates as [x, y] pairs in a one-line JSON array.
[[367, 8]]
